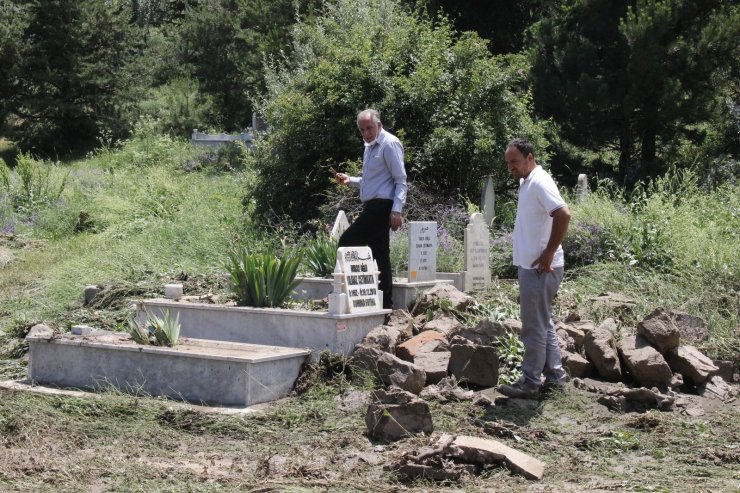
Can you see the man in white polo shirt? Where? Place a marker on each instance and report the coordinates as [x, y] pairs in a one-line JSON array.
[[542, 219]]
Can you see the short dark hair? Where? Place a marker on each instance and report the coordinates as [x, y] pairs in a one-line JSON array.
[[523, 145]]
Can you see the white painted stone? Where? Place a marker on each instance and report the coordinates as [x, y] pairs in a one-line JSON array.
[[173, 291], [488, 201], [582, 187], [340, 225], [477, 261], [360, 279], [422, 251]]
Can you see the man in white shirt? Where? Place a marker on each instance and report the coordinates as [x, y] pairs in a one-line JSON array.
[[542, 219], [383, 194]]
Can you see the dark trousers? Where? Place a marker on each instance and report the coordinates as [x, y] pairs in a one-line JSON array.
[[372, 228]]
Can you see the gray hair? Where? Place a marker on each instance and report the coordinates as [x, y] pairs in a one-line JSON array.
[[373, 114]]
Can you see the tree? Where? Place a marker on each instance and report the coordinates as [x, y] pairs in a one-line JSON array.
[[453, 105], [14, 22], [636, 74]]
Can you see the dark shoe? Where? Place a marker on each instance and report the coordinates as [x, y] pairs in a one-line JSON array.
[[520, 390], [552, 388]]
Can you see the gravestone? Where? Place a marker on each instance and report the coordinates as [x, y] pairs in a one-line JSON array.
[[488, 201], [217, 140], [477, 261], [582, 187], [340, 225], [360, 279], [422, 251]]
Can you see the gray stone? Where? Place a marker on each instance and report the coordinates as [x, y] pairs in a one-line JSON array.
[[384, 337], [90, 292], [474, 364], [485, 332], [725, 369], [434, 365], [646, 365], [676, 381], [566, 342], [715, 387], [637, 400], [615, 303], [691, 328], [408, 349], [443, 323], [395, 414], [576, 365], [691, 363], [477, 253], [445, 390], [433, 298], [435, 346], [402, 374], [575, 333], [601, 349], [659, 328], [402, 321], [486, 451], [366, 357], [80, 330]]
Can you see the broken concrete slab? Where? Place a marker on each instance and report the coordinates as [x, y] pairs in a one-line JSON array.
[[439, 295], [715, 387], [408, 349], [443, 323], [395, 414], [402, 374], [691, 363], [646, 365], [487, 451], [601, 349], [474, 364], [434, 364]]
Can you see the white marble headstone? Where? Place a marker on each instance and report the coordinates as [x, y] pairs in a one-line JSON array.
[[422, 251], [340, 225], [360, 279], [488, 201], [582, 187], [477, 254]]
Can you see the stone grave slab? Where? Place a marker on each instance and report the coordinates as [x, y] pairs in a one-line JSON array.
[[477, 254], [422, 251]]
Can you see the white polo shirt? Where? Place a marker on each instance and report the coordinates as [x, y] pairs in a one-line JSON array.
[[538, 199]]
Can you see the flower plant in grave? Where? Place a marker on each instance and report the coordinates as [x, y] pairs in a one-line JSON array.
[[156, 331], [320, 255], [262, 279]]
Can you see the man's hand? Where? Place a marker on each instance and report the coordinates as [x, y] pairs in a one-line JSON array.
[[395, 220], [544, 261], [341, 178]]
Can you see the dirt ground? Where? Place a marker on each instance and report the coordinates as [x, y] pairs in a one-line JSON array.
[[78, 441]]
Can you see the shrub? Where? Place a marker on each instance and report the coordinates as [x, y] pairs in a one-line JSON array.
[[262, 279], [35, 185], [320, 255], [157, 331]]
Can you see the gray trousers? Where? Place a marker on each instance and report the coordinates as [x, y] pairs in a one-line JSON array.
[[541, 349]]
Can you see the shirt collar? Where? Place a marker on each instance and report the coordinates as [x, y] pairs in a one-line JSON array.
[[536, 168]]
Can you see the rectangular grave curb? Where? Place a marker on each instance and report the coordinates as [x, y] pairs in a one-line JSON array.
[[195, 370], [313, 330]]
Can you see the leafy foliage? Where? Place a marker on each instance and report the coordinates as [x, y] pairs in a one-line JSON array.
[[320, 255], [156, 331], [511, 357], [33, 184], [262, 279]]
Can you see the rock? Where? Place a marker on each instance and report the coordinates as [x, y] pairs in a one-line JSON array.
[[691, 363], [91, 291], [647, 366], [486, 451], [482, 400], [395, 414], [512, 325], [715, 387], [353, 400], [690, 328], [658, 328], [637, 400], [434, 364], [40, 330], [442, 294], [402, 374], [472, 363], [566, 342], [81, 330], [443, 323], [615, 303], [676, 381], [602, 350], [575, 334], [366, 357], [407, 350], [383, 337], [402, 321], [445, 390], [485, 332], [725, 369], [576, 365], [435, 346]]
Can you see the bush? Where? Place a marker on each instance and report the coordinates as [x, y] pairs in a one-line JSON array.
[[320, 255], [157, 331], [33, 185], [261, 279]]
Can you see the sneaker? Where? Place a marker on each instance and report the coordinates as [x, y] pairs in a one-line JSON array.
[[520, 390]]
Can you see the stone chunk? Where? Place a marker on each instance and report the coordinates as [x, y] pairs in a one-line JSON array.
[[474, 364], [485, 332], [512, 325], [434, 365], [447, 390], [616, 303], [691, 363], [659, 328], [402, 321], [647, 366], [443, 323], [601, 349], [715, 387], [576, 334], [402, 374], [565, 341], [441, 294], [407, 350], [690, 328], [90, 293], [637, 400], [383, 337], [80, 330], [395, 414], [576, 365], [40, 330], [487, 451]]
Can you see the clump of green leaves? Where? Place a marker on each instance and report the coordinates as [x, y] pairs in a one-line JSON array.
[[262, 279], [33, 183], [511, 356], [320, 255], [156, 331]]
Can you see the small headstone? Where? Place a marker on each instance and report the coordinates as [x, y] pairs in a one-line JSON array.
[[173, 291], [422, 251], [488, 201], [80, 330], [340, 225], [582, 187], [477, 254], [360, 279], [90, 292]]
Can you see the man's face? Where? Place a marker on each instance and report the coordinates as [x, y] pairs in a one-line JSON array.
[[519, 165], [368, 129]]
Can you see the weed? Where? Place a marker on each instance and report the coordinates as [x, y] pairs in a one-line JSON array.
[[320, 255], [511, 357], [261, 279], [156, 331]]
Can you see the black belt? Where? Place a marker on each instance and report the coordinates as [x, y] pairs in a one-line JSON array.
[[377, 201]]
